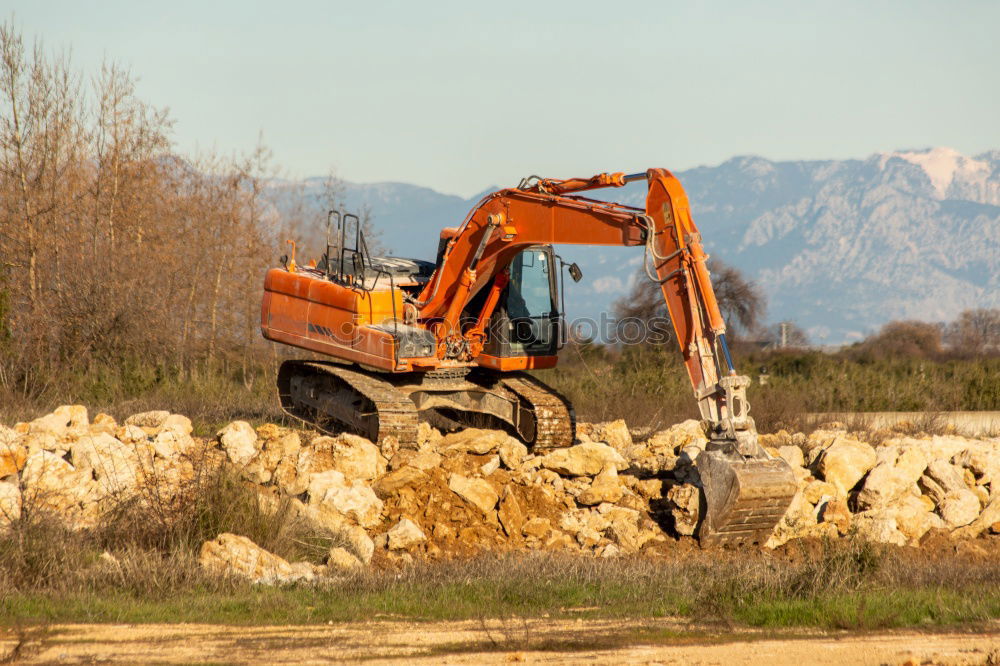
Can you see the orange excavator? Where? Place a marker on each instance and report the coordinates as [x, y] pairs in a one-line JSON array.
[[450, 342]]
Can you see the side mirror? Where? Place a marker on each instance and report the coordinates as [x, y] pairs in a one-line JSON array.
[[359, 264], [575, 272]]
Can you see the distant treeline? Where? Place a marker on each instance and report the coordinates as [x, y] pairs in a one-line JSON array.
[[905, 366]]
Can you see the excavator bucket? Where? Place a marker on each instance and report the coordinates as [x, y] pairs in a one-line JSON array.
[[745, 496]]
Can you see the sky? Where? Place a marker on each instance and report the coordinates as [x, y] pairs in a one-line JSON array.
[[460, 96]]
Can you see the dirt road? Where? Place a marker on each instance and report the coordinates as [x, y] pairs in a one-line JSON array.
[[534, 641]]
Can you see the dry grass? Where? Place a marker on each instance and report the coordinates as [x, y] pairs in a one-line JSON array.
[[154, 536], [649, 386], [865, 427], [50, 574], [211, 393]]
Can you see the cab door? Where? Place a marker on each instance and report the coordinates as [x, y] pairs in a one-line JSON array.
[[526, 321]]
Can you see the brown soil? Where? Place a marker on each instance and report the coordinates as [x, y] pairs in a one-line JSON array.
[[472, 642]]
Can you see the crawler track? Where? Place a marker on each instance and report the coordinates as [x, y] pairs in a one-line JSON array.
[[553, 415], [334, 397]]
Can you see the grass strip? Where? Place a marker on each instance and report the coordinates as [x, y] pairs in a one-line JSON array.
[[476, 599]]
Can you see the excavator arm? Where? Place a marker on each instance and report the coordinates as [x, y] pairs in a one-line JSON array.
[[508, 221], [746, 491]]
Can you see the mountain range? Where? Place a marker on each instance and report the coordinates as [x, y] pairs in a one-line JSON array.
[[839, 247]]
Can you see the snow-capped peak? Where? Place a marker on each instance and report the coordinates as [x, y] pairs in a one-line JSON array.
[[944, 166]]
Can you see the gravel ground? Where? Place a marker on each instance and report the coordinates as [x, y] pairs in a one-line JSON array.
[[475, 642]]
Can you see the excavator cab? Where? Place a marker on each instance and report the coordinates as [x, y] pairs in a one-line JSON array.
[[527, 320]]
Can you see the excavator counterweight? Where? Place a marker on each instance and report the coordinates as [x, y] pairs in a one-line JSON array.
[[450, 341]]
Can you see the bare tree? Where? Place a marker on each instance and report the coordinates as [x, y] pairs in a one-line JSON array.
[[903, 339], [785, 334], [975, 332], [39, 138], [741, 302], [113, 248], [332, 197]]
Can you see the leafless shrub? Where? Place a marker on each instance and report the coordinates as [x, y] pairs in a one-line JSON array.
[[164, 518], [903, 339], [975, 333], [39, 552], [924, 423], [773, 412], [741, 301]]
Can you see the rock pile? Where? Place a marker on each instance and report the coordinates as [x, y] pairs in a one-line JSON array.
[[896, 492], [64, 464], [459, 493]]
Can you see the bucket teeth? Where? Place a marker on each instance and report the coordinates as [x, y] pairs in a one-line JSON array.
[[744, 498]]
